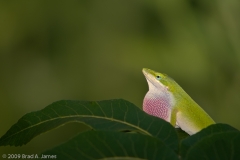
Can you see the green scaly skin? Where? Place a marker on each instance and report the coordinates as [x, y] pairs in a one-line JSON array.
[[167, 100]]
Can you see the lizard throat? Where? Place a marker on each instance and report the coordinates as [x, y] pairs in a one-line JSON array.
[[158, 106]]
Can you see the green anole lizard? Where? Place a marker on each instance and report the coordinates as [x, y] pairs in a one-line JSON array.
[[167, 100]]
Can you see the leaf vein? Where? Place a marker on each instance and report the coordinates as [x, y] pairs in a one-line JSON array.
[[101, 109]]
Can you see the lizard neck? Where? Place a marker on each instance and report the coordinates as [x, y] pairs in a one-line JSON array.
[[158, 104]]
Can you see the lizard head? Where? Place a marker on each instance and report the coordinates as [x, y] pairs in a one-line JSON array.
[[159, 81]]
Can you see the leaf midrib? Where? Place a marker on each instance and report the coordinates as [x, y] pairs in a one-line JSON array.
[[84, 116]]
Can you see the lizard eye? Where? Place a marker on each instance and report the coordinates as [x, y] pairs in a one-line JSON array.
[[158, 77]]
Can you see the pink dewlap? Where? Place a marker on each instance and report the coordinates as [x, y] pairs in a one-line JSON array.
[[158, 107]]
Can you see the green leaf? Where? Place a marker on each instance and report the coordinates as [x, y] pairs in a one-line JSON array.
[[187, 143], [221, 146], [181, 134], [112, 145], [114, 115]]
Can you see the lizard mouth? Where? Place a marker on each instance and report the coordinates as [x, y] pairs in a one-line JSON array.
[[147, 77]]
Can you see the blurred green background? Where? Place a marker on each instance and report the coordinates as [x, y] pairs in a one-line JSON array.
[[95, 50]]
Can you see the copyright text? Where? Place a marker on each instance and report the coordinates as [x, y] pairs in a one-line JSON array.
[[28, 156]]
